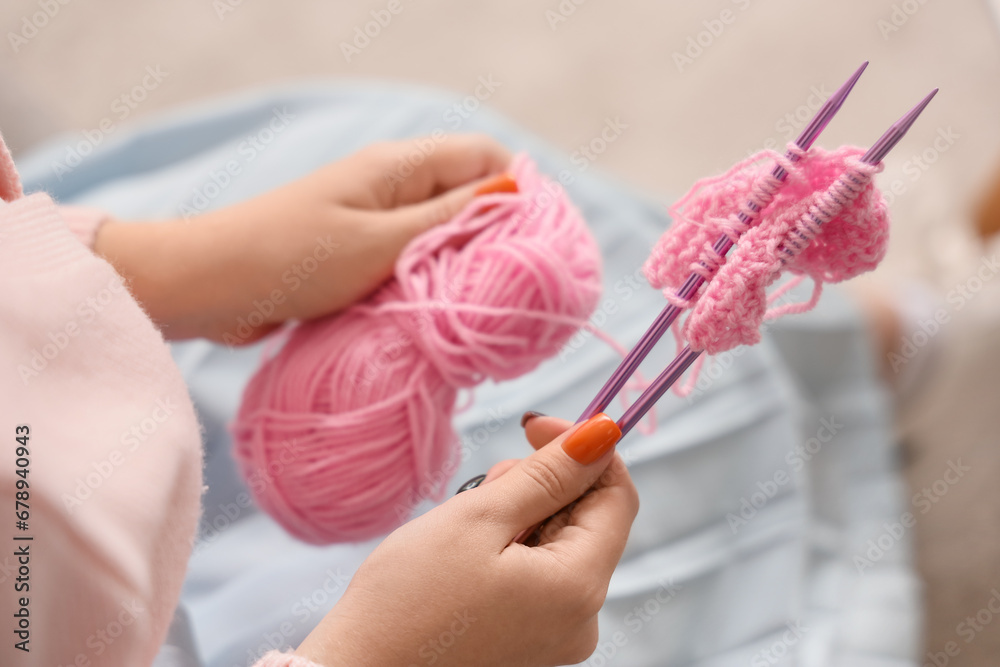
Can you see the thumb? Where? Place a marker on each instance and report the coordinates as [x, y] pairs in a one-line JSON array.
[[420, 217], [554, 476]]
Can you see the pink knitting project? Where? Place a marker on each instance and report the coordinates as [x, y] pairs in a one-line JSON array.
[[828, 222]]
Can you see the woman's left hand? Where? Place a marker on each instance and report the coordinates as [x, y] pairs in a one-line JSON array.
[[306, 249]]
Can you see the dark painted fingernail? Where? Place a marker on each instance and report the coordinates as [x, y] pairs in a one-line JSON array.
[[528, 416], [471, 484]]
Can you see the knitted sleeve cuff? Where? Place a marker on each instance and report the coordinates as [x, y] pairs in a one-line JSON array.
[[84, 221], [33, 236], [279, 659]]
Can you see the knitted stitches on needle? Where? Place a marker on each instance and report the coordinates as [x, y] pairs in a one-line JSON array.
[[828, 222]]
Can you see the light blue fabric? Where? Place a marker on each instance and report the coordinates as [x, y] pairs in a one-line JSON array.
[[696, 586]]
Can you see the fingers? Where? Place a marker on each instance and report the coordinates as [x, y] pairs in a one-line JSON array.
[[552, 477], [402, 173], [499, 469], [542, 430], [417, 218], [595, 532]]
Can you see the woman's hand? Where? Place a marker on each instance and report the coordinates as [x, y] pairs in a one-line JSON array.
[[306, 249], [453, 587]]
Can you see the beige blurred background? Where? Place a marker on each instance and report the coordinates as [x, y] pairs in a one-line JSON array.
[[567, 67]]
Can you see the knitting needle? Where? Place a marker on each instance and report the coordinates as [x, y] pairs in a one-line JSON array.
[[673, 372], [722, 247]]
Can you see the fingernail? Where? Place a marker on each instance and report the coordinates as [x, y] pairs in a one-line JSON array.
[[471, 484], [528, 416], [592, 439], [502, 183]]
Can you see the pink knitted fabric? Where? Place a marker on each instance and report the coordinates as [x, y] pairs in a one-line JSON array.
[[83, 221], [828, 222], [348, 428]]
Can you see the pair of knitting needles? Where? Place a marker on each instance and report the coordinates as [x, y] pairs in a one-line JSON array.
[[725, 242]]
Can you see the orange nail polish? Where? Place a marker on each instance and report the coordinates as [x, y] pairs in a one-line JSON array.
[[592, 439], [501, 183]]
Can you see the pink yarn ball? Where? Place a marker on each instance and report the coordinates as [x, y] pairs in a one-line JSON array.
[[346, 429]]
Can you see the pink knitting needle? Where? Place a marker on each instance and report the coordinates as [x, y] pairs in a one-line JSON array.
[[722, 247], [673, 372]]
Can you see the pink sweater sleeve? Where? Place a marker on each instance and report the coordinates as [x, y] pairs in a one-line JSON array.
[[110, 485], [111, 481], [83, 221]]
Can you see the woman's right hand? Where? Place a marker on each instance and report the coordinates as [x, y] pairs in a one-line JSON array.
[[453, 587]]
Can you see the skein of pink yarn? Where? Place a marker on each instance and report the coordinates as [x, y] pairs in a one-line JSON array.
[[346, 429], [828, 222]]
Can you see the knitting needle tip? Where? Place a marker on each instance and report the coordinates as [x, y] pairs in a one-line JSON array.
[[829, 110], [898, 130]]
